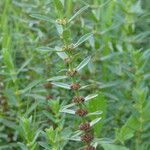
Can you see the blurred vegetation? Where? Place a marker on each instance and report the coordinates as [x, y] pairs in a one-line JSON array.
[[119, 72]]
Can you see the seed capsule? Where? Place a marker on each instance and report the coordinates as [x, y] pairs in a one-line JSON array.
[[84, 126], [89, 148], [75, 86], [81, 112], [78, 99], [87, 137]]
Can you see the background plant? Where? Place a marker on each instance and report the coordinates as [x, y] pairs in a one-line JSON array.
[[118, 71]]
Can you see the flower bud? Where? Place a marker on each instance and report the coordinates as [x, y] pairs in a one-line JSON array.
[[75, 86], [88, 137], [78, 99], [71, 72], [81, 112], [84, 126]]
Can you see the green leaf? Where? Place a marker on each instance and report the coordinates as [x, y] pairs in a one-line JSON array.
[[59, 29], [97, 104], [113, 147], [45, 49], [24, 65], [62, 85], [22, 146], [83, 63], [91, 96], [62, 55], [127, 130], [8, 123], [43, 18], [58, 5], [83, 39], [57, 78], [69, 111], [78, 13], [30, 86], [95, 121]]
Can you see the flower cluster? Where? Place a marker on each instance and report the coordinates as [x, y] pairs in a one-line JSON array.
[[87, 136]]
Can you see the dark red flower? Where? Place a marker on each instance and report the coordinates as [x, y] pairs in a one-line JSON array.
[[81, 112], [75, 86], [78, 99], [87, 137], [84, 126]]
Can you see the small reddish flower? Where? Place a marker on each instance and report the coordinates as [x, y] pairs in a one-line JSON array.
[[84, 126], [89, 148], [75, 86], [78, 99], [81, 112], [88, 137]]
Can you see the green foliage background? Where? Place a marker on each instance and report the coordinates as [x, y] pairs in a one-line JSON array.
[[119, 72]]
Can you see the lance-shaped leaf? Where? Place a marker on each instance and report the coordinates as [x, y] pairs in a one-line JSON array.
[[95, 113], [42, 17], [24, 65], [91, 96], [113, 147], [78, 13], [83, 39], [83, 63], [67, 106], [76, 136], [62, 55], [30, 86], [69, 111], [92, 123], [84, 87], [62, 85], [57, 78], [46, 49]]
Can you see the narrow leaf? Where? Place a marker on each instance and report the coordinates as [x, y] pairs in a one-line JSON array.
[[45, 49], [83, 63], [62, 85], [69, 111], [83, 39], [113, 147], [30, 86], [67, 106], [92, 123], [57, 78], [91, 96], [95, 113], [24, 65], [78, 13], [42, 17]]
